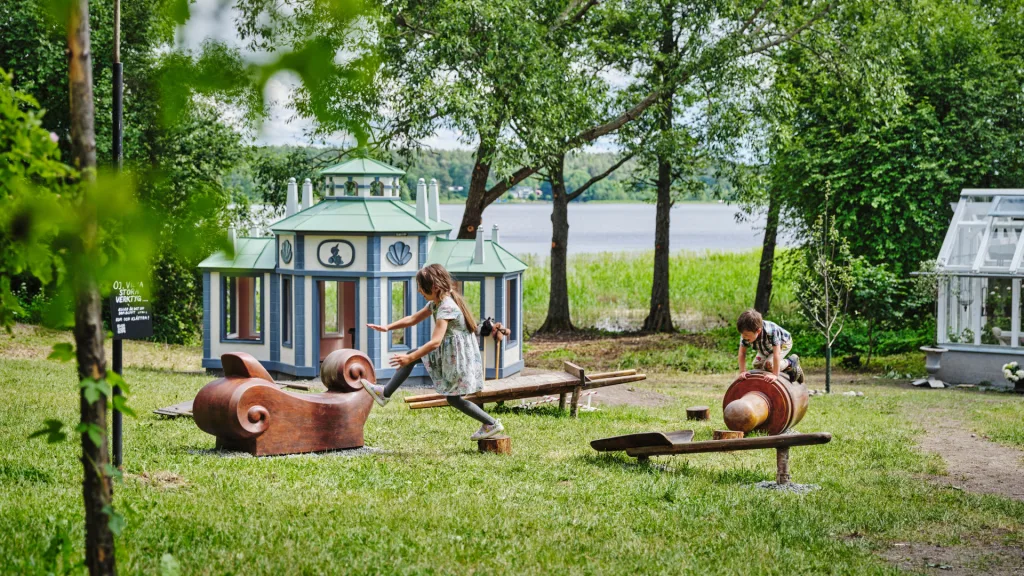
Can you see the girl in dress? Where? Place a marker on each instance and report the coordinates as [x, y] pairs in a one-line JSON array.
[[451, 357]]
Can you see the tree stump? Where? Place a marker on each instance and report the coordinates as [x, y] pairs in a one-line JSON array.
[[497, 445], [698, 413], [726, 434]]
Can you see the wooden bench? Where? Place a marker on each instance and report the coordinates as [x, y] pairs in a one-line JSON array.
[[647, 444]]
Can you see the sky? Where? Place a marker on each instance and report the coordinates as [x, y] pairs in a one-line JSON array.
[[214, 20]]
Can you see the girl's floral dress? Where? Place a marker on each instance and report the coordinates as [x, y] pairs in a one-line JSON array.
[[455, 366]]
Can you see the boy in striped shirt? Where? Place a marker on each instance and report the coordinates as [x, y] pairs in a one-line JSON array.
[[771, 344]]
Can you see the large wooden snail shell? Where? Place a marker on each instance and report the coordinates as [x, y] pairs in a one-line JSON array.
[[763, 401]]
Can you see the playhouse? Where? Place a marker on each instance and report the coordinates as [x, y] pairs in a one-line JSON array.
[[979, 289], [333, 266]]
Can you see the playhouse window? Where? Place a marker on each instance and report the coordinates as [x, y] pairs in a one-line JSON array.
[[512, 308], [286, 311], [470, 291], [398, 308], [333, 311], [242, 310], [376, 188], [351, 189]]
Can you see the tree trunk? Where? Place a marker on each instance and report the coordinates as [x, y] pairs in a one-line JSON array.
[[763, 298], [659, 318], [559, 319], [476, 198], [96, 490], [828, 368], [871, 340]]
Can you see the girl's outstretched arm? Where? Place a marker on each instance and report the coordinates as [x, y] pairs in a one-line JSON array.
[[440, 327], [406, 322]]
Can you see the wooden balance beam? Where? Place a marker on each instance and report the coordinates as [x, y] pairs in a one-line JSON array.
[[572, 379], [648, 444]]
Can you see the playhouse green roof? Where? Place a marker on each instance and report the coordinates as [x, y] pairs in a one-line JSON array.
[[250, 254], [457, 257], [362, 167], [359, 214]]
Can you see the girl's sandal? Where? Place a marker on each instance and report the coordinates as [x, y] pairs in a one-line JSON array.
[[375, 391], [488, 431]]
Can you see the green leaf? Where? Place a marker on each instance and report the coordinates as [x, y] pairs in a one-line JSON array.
[[94, 432], [62, 351], [53, 430], [115, 379], [121, 405], [93, 390], [115, 521], [112, 471]]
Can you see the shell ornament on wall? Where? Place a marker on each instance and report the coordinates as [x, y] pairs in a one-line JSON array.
[[399, 254], [286, 252]]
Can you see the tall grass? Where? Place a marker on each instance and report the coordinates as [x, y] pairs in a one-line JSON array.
[[613, 290]]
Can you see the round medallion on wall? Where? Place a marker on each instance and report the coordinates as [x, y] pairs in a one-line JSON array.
[[336, 253], [286, 251]]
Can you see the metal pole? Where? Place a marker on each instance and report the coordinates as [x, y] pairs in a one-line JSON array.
[[118, 428]]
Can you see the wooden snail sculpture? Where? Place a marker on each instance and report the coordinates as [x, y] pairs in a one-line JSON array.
[[246, 411], [763, 401]]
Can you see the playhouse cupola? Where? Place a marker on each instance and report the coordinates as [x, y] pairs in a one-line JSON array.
[[362, 177]]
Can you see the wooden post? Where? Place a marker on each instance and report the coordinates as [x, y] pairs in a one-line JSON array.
[[698, 413], [561, 402], [574, 411], [497, 445], [782, 465]]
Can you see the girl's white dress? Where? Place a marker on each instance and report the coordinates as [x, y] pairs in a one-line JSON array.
[[455, 366]]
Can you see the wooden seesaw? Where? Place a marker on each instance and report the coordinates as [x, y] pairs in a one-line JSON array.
[[754, 401], [572, 380]]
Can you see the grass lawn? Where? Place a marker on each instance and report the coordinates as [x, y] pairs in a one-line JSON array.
[[431, 504]]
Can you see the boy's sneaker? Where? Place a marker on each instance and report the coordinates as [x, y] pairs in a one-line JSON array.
[[488, 431], [795, 369], [376, 391]]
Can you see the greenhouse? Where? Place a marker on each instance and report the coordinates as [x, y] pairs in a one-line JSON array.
[[979, 278]]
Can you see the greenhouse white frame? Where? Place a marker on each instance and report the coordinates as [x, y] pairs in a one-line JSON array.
[[979, 268]]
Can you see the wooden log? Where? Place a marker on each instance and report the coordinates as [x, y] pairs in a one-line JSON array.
[[698, 413], [574, 410], [603, 375], [758, 443], [613, 381], [497, 445], [571, 368], [782, 465], [726, 434]]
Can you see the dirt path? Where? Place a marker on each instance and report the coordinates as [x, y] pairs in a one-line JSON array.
[[974, 463]]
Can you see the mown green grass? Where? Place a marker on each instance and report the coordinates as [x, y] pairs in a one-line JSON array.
[[614, 290], [432, 505]]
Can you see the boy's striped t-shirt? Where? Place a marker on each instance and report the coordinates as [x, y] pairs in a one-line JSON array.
[[771, 335]]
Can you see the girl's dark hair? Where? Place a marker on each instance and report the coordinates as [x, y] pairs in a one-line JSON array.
[[435, 277], [749, 321]]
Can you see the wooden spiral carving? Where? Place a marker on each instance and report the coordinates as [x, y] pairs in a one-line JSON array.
[[342, 370], [763, 401], [246, 411]]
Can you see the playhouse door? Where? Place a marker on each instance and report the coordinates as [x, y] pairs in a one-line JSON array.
[[337, 315]]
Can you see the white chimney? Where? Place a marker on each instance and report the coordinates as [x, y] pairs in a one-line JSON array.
[[421, 200], [307, 194], [434, 201], [291, 205], [478, 257], [494, 234], [233, 238]]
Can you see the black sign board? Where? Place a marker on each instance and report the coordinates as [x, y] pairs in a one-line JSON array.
[[130, 316]]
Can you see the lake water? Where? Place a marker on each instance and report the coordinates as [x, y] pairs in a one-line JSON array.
[[526, 228]]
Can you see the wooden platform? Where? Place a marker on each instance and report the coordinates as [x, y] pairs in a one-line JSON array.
[[532, 382]]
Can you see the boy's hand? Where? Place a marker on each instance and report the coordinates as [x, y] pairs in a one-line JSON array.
[[377, 327]]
